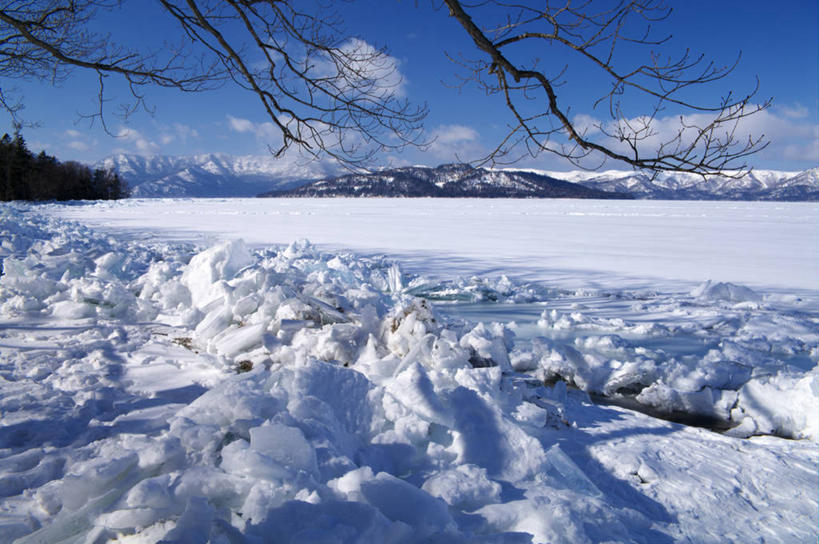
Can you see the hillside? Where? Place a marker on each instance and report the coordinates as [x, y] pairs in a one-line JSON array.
[[445, 181]]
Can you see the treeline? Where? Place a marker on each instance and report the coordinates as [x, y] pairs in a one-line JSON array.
[[25, 176]]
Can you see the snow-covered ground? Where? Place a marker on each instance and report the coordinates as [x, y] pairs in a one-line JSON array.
[[161, 380], [570, 242]]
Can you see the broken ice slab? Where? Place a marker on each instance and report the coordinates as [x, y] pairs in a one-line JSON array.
[[570, 473]]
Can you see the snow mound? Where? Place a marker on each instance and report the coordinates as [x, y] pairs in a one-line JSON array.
[[782, 404], [727, 292]]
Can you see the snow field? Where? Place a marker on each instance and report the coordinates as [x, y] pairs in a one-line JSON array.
[[563, 242], [151, 391]]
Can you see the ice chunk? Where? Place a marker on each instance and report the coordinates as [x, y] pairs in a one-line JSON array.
[[240, 460], [344, 390], [194, 525], [395, 282], [110, 265], [68, 309], [154, 493], [236, 403], [263, 497], [246, 305], [95, 478], [482, 436], [706, 402], [240, 340], [465, 487], [572, 476], [401, 501], [203, 274], [216, 321], [490, 346], [330, 343], [415, 390], [296, 309], [783, 404], [285, 445], [174, 295], [12, 527], [332, 522], [349, 485], [297, 249]]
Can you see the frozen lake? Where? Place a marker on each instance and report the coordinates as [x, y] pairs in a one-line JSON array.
[[153, 390], [564, 242]]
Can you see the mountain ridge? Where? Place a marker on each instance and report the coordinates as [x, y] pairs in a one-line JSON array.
[[444, 181], [210, 174], [755, 185], [223, 175]]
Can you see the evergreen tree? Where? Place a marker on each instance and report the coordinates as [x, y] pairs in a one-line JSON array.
[[24, 176], [21, 164], [6, 152]]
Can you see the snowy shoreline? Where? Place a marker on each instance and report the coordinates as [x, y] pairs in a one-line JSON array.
[[154, 390]]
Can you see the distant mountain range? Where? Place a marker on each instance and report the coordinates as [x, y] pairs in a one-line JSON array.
[[212, 174], [757, 185], [221, 175], [447, 180]]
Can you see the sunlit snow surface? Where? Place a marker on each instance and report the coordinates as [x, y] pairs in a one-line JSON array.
[[568, 242], [162, 381]]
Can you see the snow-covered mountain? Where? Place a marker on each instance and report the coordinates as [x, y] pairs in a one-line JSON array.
[[757, 185], [222, 175], [447, 180], [212, 174]]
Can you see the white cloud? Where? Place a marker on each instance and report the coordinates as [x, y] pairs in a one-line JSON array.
[[796, 111], [367, 63], [48, 147], [75, 144], [264, 133], [78, 145], [792, 132], [807, 150], [268, 136], [357, 71], [455, 143], [364, 67], [240, 125], [452, 134], [141, 144], [789, 130], [586, 125], [176, 132], [184, 131]]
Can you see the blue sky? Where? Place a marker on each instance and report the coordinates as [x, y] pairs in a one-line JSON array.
[[779, 44]]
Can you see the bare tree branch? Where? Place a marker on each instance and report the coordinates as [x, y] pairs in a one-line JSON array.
[[706, 140], [329, 93], [325, 93]]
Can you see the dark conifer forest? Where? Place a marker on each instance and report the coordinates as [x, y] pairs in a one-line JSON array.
[[25, 176]]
